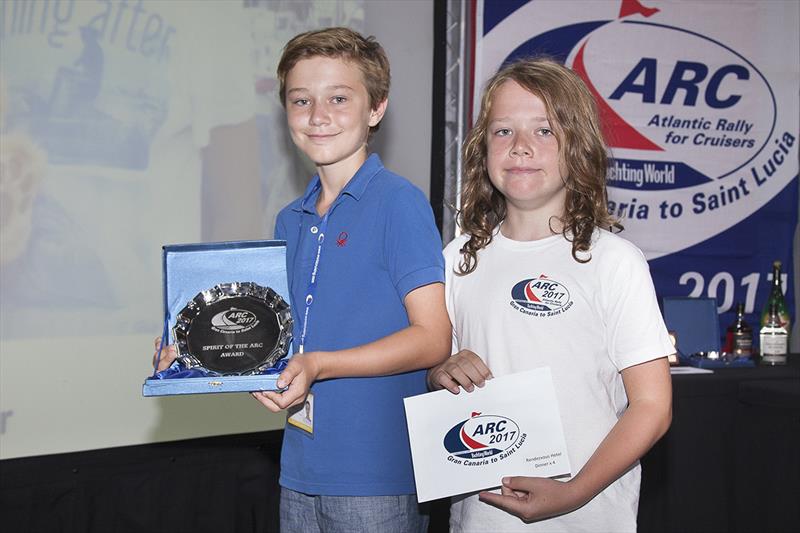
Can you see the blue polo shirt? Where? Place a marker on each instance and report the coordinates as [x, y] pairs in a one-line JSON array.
[[380, 244]]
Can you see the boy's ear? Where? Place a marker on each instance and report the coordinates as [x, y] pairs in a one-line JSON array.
[[376, 115]]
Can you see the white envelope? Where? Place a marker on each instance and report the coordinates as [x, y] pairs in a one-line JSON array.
[[469, 441]]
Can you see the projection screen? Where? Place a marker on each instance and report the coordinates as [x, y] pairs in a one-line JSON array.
[[127, 125]]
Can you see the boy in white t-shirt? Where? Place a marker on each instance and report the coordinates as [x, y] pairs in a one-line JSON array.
[[537, 280]]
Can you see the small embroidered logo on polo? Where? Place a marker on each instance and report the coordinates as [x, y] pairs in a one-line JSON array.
[[540, 297], [341, 240]]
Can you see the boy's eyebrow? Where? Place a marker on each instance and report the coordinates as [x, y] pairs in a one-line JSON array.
[[532, 119], [339, 87], [329, 88]]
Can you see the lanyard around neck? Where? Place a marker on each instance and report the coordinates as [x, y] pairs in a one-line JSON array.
[[312, 282]]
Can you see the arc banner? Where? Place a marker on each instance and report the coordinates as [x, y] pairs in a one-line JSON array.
[[700, 107]]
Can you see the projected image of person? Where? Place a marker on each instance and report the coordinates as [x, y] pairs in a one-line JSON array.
[[22, 167], [34, 224], [146, 133], [538, 280], [89, 74]]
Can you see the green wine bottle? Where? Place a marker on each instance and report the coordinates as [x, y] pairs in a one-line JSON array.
[[776, 297]]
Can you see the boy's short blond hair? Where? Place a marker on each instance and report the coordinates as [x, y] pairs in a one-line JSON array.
[[365, 52]]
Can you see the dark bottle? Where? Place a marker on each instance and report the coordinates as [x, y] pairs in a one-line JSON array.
[[739, 337]]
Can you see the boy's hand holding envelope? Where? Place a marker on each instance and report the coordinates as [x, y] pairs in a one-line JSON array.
[[464, 369]]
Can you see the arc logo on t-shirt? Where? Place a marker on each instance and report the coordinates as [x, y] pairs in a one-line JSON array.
[[542, 296], [482, 439]]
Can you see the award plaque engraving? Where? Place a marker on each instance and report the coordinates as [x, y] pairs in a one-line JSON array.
[[238, 328]]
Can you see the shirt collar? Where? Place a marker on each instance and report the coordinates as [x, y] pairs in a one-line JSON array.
[[355, 187]]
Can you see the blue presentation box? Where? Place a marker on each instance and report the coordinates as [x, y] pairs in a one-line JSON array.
[[189, 269]]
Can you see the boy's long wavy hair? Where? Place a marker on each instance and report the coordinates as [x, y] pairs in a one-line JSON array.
[[573, 116]]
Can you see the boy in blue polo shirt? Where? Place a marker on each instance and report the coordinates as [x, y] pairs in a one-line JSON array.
[[366, 277], [366, 280]]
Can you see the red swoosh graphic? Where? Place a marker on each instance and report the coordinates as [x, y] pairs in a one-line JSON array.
[[470, 442], [529, 293], [618, 133]]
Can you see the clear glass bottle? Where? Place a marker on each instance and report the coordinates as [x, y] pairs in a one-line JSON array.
[[739, 336], [774, 339]]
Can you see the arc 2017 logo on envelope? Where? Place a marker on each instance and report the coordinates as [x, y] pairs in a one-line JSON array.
[[482, 439], [467, 442]]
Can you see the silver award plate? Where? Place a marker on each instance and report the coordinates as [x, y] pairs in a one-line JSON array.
[[238, 328]]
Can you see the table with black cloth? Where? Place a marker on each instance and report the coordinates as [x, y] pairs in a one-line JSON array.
[[730, 462], [731, 459]]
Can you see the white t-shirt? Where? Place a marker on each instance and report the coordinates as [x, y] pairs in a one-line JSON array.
[[529, 305]]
